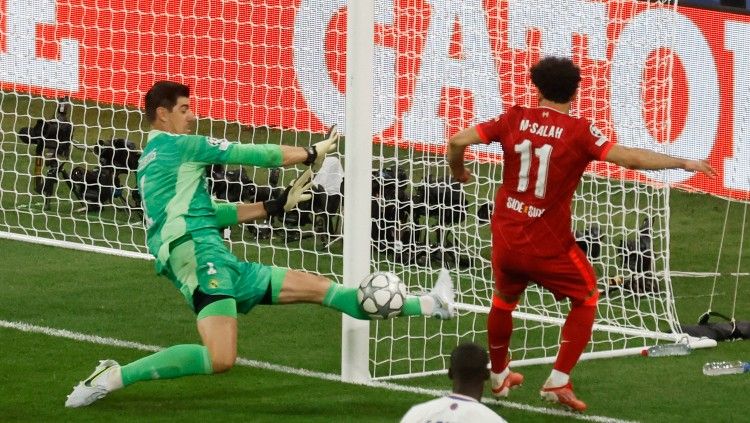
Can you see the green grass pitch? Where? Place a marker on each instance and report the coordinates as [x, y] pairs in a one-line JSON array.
[[113, 297]]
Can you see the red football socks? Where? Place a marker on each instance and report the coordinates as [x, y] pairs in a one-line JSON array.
[[499, 329], [576, 333]]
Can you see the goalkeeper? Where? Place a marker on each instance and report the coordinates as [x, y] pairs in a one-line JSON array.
[[183, 226]]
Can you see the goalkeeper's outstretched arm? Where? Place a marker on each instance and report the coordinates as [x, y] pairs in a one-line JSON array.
[[292, 155], [315, 154], [228, 214], [203, 149]]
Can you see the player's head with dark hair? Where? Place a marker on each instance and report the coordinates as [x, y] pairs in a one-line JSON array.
[[168, 107], [164, 94], [468, 369], [556, 78]]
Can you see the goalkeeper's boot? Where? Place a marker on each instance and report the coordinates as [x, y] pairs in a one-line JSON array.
[[94, 387], [563, 395], [444, 296], [501, 386]]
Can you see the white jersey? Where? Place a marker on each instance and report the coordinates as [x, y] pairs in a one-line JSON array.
[[453, 408]]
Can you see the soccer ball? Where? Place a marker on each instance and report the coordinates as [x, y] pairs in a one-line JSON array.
[[381, 295]]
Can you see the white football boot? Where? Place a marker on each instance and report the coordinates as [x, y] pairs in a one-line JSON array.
[[444, 296], [94, 387]]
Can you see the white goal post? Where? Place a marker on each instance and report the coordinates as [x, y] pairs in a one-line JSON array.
[[415, 72]]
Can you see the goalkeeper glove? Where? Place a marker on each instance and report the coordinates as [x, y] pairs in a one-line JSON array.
[[293, 194], [317, 152]]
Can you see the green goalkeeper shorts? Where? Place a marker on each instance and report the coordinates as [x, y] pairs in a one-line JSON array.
[[203, 261]]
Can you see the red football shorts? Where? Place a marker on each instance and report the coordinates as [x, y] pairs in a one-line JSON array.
[[566, 276]]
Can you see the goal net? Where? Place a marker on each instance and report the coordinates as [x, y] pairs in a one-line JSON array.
[[474, 64], [73, 75]]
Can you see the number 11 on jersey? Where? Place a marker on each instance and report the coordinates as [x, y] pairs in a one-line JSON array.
[[543, 153]]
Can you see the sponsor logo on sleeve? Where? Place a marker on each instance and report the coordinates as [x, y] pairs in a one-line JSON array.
[[222, 144], [601, 139], [146, 160]]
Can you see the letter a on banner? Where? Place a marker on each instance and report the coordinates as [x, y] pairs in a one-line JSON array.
[[475, 71]]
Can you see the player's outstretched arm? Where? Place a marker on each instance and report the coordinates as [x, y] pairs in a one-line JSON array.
[[701, 166], [639, 158], [456, 148], [217, 151], [228, 214], [316, 154], [292, 155], [293, 194]]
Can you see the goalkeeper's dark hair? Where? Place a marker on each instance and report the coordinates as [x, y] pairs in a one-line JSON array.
[[469, 363], [557, 78], [163, 94]]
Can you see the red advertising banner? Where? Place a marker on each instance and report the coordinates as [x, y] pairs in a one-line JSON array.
[[441, 65]]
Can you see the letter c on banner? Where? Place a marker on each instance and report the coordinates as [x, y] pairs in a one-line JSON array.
[[320, 93]]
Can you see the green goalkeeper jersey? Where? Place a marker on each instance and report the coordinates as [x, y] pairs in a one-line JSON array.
[[173, 187]]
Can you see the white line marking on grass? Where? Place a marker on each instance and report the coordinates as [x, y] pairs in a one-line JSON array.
[[716, 294], [94, 339]]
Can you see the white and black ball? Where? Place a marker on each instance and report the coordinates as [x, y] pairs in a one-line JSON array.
[[381, 295]]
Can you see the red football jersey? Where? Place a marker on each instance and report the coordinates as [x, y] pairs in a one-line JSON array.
[[545, 154]]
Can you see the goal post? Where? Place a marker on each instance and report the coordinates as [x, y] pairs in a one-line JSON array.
[[359, 56]]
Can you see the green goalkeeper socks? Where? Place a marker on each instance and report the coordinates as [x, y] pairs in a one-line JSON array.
[[412, 306], [345, 300], [173, 362]]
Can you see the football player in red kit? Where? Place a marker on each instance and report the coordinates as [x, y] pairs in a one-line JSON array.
[[545, 153]]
